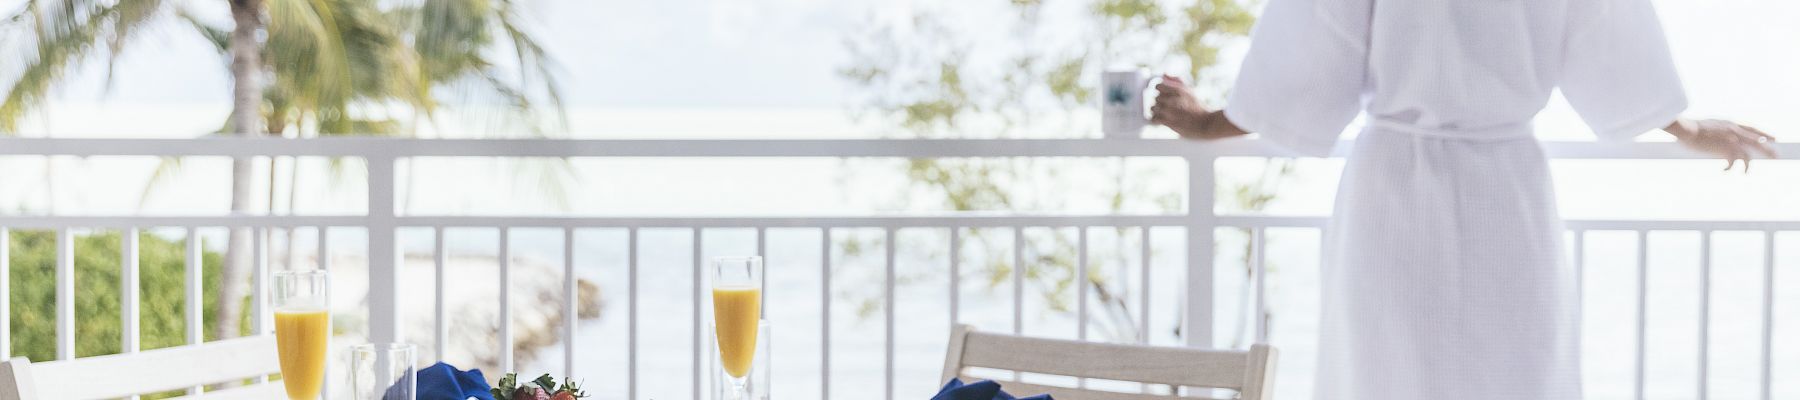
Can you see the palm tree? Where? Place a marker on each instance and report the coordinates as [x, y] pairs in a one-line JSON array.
[[332, 67]]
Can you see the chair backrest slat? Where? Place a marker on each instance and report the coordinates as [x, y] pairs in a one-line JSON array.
[[15, 380], [146, 372], [1166, 365], [1259, 383], [1059, 392], [1247, 372]]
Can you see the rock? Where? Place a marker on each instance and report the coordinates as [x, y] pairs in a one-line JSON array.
[[471, 297]]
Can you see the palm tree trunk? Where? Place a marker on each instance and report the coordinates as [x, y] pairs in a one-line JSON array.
[[246, 104]]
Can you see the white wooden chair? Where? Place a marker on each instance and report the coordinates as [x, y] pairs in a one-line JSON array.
[[122, 375], [1250, 373]]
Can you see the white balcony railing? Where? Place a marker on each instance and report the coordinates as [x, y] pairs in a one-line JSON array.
[[382, 223]]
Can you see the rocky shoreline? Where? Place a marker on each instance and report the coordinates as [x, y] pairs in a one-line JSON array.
[[472, 298]]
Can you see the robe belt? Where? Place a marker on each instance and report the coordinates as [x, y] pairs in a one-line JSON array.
[[1490, 133]]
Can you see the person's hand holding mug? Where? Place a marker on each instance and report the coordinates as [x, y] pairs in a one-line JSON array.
[[1177, 108]]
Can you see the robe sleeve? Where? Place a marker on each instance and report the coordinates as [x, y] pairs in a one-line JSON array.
[[1303, 79], [1617, 71]]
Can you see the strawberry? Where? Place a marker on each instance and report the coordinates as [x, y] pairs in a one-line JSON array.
[[530, 393], [542, 388], [569, 391]]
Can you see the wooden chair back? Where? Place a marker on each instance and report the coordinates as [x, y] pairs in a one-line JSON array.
[[1250, 373], [123, 375]]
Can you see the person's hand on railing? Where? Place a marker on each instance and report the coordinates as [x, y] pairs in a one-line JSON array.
[[1728, 140], [1177, 109]]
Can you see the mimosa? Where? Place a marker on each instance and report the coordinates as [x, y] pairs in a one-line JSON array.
[[736, 310], [301, 337], [302, 329], [737, 285]]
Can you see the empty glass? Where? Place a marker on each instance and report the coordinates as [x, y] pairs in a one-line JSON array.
[[383, 372]]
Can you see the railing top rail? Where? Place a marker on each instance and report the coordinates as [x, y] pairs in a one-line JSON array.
[[964, 220], [774, 221], [401, 147]]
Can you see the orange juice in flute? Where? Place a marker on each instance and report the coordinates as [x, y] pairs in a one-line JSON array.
[[737, 284], [302, 330]]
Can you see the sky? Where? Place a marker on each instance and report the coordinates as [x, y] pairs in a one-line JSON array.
[[1738, 57], [676, 53], [768, 69]]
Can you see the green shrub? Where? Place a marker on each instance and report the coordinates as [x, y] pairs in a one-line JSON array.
[[162, 296]]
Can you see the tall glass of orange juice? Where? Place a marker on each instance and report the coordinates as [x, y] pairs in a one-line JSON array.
[[737, 292], [302, 330]]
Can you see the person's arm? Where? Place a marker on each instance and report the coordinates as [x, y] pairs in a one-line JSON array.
[[1725, 139], [1177, 109]]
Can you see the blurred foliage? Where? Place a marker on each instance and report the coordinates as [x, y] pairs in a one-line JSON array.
[[364, 67], [334, 66], [329, 67], [162, 297], [161, 282], [1028, 69]]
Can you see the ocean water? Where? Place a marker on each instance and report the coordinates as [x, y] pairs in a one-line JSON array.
[[1588, 189], [664, 369]]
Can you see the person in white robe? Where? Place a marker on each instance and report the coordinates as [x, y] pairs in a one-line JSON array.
[[1444, 276]]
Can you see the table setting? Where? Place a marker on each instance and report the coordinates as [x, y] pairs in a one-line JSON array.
[[739, 360]]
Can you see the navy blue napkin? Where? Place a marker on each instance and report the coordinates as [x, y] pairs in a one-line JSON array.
[[980, 390], [443, 382]]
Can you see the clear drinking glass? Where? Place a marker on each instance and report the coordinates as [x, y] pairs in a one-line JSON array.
[[383, 371], [737, 284], [756, 383], [302, 330]]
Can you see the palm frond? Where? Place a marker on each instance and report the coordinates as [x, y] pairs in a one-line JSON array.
[[306, 51], [550, 177], [532, 58], [131, 15], [384, 67], [18, 17], [166, 169], [65, 35], [451, 36], [355, 126], [455, 38], [220, 38], [366, 63]]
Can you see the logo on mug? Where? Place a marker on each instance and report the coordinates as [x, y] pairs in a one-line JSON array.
[[1117, 95]]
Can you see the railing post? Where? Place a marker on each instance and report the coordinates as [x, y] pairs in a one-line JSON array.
[[1197, 315], [192, 279], [128, 290], [65, 294], [6, 294], [384, 257]]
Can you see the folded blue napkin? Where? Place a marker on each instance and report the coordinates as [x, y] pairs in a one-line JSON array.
[[980, 390], [443, 382]]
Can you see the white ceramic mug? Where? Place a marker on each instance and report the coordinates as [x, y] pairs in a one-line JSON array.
[[1123, 114]]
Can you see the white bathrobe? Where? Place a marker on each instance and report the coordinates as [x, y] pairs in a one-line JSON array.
[[1444, 275]]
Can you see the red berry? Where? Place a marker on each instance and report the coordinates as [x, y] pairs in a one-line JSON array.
[[530, 393]]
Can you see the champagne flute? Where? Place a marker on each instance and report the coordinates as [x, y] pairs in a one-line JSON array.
[[302, 330], [737, 284]]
